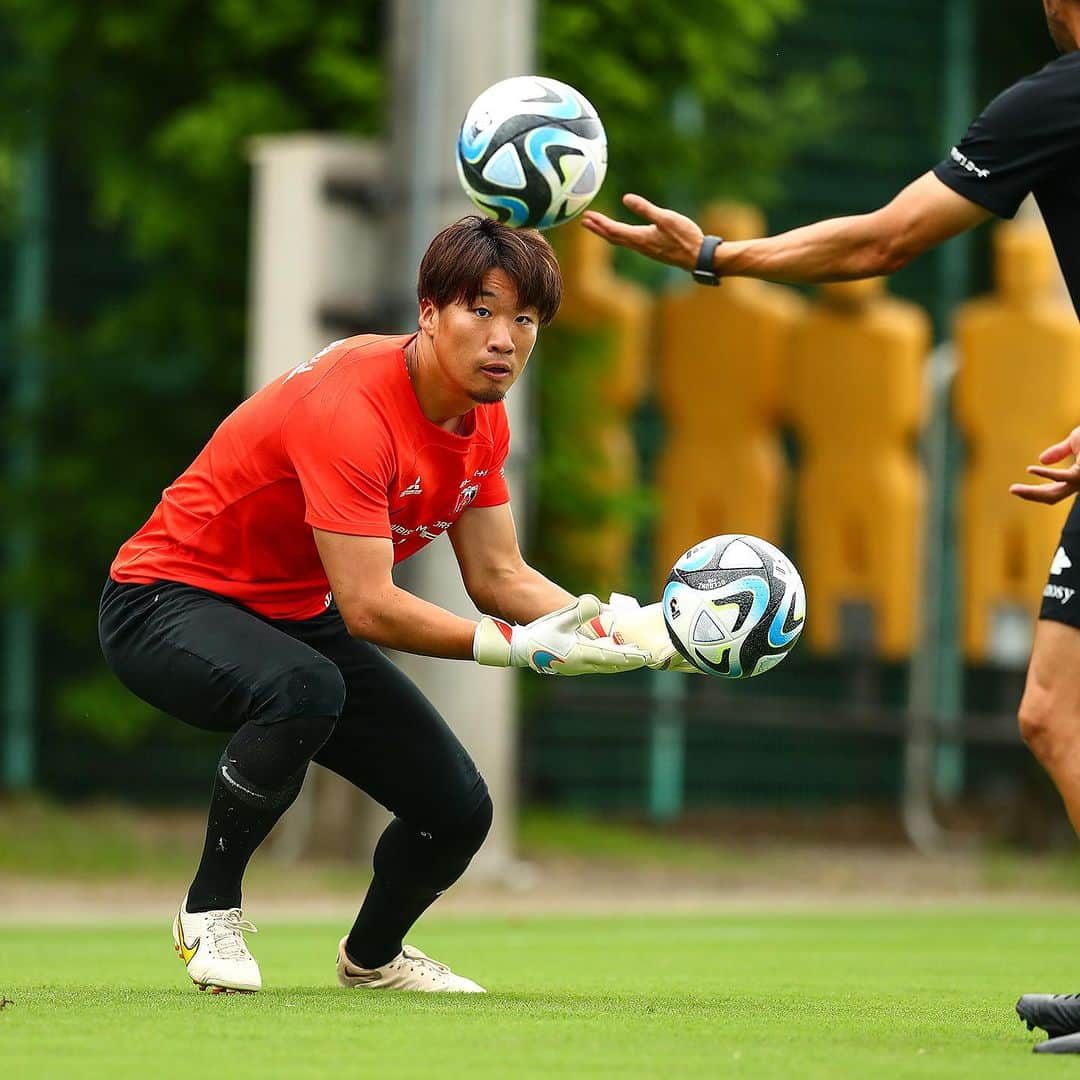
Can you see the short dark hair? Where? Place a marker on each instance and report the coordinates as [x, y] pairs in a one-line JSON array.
[[453, 267]]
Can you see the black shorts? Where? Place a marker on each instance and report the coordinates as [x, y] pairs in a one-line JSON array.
[[1061, 597], [215, 664]]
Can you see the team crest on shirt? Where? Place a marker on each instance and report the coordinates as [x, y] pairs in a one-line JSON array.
[[465, 497]]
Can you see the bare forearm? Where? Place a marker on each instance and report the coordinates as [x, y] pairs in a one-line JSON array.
[[924, 214], [398, 620], [521, 595], [841, 249]]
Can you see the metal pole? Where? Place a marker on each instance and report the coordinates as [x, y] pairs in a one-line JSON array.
[[960, 53], [924, 701], [443, 56], [20, 645], [958, 109], [933, 754], [667, 747]]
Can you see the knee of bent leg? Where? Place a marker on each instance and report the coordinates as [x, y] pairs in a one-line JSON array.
[[314, 689], [1040, 721], [469, 834]]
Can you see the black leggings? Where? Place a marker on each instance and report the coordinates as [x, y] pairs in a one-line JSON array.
[[217, 665]]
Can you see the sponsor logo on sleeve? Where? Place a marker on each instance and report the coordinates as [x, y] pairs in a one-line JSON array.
[[967, 164]]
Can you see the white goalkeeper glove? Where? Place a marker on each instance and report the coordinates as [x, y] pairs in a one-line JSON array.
[[556, 644], [625, 621]]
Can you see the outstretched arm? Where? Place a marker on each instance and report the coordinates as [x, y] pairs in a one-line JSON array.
[[923, 215]]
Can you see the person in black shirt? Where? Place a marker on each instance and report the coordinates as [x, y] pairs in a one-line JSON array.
[[1027, 141]]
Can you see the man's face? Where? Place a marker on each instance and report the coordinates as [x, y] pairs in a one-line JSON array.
[[1059, 28], [482, 346]]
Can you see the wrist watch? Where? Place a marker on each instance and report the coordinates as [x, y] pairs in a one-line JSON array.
[[703, 273]]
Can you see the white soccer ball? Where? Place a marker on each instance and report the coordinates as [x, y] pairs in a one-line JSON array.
[[734, 606], [531, 152]]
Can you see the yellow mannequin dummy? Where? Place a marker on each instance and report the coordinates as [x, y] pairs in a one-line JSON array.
[[857, 404], [720, 386], [1017, 389], [596, 300]]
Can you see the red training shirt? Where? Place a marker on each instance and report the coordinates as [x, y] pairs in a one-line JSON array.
[[340, 444]]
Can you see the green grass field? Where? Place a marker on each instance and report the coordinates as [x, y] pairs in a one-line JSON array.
[[760, 995]]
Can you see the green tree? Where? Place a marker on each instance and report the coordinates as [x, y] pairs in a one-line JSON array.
[[695, 101], [148, 110]]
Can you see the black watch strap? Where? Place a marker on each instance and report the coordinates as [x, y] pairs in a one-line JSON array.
[[703, 273]]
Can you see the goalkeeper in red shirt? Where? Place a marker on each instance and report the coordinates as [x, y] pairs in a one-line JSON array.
[[255, 598]]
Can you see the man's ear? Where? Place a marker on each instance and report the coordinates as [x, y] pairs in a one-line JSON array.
[[429, 317]]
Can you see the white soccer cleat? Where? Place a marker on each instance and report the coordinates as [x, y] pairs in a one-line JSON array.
[[212, 946], [409, 970]]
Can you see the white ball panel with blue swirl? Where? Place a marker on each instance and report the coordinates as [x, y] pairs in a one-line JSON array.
[[531, 152], [734, 606]]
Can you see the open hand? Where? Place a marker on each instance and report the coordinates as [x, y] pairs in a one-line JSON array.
[[1064, 481], [561, 643], [669, 237]]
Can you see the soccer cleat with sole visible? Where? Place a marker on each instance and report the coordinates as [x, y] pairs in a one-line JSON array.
[[409, 970], [1056, 1014], [212, 946]]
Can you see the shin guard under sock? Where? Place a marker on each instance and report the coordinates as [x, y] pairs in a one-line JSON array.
[[258, 777], [241, 817]]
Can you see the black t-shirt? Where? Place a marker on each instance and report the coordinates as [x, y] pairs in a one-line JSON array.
[[1028, 141]]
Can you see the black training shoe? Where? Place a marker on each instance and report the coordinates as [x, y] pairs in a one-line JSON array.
[[1056, 1014], [1063, 1044]]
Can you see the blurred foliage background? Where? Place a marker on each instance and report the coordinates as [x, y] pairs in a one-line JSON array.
[[147, 111]]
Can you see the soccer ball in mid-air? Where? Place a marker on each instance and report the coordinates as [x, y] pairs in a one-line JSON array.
[[531, 152], [734, 606]]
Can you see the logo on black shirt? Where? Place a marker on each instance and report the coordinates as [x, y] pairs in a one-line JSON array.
[[966, 163], [1061, 562]]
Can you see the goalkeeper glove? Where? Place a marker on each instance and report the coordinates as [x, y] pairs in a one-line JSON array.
[[625, 621], [555, 644]]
